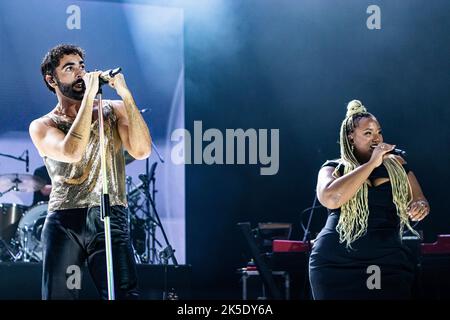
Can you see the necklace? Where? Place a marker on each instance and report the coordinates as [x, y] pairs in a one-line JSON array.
[[62, 114]]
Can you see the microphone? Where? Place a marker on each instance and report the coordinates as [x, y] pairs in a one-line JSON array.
[[145, 110], [398, 152], [105, 76], [27, 161]]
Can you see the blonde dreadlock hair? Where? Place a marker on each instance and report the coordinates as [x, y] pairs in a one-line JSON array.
[[355, 212]]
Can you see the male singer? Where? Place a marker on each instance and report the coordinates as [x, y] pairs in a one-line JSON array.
[[67, 138]]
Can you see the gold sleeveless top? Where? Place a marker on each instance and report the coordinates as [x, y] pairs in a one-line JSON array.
[[79, 184]]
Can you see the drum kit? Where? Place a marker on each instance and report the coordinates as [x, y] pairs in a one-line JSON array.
[[20, 225]]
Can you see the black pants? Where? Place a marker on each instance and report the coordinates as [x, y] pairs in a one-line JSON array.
[[72, 237]]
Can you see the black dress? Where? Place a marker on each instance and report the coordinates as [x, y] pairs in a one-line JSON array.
[[340, 273]]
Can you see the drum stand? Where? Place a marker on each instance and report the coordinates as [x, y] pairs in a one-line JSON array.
[[154, 221], [147, 224], [151, 224], [3, 243], [15, 257], [26, 254]]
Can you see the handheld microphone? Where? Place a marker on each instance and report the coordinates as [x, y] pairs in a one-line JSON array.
[[145, 110], [398, 152], [105, 76]]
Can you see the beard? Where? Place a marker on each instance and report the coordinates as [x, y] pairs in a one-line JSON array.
[[69, 91]]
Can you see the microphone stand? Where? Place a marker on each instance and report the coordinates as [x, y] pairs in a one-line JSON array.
[[20, 158], [105, 208], [168, 252], [13, 188], [151, 240], [150, 201], [157, 153], [149, 178]]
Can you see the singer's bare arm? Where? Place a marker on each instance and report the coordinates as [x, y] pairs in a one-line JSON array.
[[333, 192], [53, 143], [419, 207], [132, 128]]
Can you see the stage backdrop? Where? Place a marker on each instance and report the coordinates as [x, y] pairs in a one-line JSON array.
[[146, 41]]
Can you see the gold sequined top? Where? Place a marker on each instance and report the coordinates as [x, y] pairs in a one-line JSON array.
[[79, 184]]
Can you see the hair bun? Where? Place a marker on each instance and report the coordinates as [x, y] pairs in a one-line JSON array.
[[355, 107]]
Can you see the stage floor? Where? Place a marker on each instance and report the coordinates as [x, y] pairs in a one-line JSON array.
[[22, 281]]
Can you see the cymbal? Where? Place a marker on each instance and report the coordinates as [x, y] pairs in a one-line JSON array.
[[128, 158], [22, 182]]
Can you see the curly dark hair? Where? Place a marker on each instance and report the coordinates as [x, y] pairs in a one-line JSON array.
[[53, 57]]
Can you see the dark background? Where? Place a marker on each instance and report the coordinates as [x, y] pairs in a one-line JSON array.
[[294, 65]]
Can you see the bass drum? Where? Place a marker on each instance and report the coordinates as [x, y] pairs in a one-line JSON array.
[[29, 232]]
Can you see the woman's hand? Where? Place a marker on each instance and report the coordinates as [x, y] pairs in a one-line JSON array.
[[419, 209], [379, 153]]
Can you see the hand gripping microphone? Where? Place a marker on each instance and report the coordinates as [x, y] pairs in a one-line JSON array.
[[398, 152], [107, 75]]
